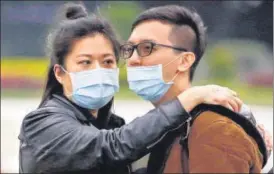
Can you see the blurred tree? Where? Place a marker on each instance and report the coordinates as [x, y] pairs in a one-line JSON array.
[[121, 14], [221, 62]]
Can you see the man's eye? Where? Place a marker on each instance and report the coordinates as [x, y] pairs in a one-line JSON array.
[[129, 49], [147, 47]]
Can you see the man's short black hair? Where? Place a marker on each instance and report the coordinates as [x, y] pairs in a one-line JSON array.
[[183, 19]]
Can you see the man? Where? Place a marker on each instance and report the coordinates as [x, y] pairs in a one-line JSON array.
[[163, 51]]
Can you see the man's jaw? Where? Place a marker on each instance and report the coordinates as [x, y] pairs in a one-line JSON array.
[[174, 91]]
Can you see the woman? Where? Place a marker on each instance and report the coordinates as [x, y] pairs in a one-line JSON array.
[[73, 129]]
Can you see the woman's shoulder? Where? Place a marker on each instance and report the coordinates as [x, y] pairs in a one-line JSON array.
[[45, 116], [50, 107], [46, 111]]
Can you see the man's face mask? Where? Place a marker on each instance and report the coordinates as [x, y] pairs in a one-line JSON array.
[[93, 89], [147, 81]]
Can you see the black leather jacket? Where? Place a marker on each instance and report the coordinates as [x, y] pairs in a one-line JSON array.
[[62, 137]]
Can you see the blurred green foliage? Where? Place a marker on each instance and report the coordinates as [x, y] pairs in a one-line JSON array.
[[123, 74], [221, 62], [115, 12]]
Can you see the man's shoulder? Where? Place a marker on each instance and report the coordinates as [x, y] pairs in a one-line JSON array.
[[213, 116], [207, 118], [215, 123]]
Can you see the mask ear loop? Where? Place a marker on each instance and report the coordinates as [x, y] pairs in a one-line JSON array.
[[174, 77], [177, 72], [69, 95], [64, 69], [172, 61]]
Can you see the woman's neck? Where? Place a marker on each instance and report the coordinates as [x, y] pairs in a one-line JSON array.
[[94, 113]]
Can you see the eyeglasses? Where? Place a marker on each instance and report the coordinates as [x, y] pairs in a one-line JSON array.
[[143, 49]]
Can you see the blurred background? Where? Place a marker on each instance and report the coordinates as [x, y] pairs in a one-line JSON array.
[[239, 55]]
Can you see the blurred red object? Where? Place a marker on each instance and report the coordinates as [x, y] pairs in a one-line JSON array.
[[20, 83], [260, 79]]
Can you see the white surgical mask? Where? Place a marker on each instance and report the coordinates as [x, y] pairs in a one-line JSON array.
[[147, 81], [93, 89]]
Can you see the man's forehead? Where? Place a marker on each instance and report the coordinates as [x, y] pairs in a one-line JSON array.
[[152, 30]]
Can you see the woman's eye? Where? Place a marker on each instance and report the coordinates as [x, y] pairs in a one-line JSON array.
[[109, 61], [85, 62]]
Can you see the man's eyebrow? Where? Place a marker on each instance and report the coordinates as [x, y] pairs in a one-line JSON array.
[[129, 42], [148, 40], [140, 41]]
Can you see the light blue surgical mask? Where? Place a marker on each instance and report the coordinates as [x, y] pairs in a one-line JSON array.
[[147, 81], [93, 89]]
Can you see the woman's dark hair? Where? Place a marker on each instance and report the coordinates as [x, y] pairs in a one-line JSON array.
[[76, 24]]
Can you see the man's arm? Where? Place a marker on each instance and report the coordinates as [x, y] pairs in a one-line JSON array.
[[219, 145]]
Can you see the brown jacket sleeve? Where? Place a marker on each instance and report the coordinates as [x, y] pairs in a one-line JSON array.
[[219, 145]]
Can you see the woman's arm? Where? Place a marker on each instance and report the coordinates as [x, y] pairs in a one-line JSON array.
[[59, 142]]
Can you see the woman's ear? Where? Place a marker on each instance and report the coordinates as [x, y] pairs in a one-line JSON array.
[[58, 72], [187, 60]]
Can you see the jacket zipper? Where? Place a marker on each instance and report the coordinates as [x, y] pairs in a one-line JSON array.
[[160, 139]]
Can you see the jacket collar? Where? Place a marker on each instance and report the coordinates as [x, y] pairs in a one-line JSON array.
[[81, 113], [84, 115]]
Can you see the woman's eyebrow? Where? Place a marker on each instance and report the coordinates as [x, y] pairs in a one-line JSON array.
[[107, 54], [90, 55], [84, 55]]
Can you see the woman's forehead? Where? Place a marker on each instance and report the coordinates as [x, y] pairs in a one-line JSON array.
[[97, 44]]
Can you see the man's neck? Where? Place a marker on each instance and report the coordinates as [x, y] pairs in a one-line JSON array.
[[177, 88]]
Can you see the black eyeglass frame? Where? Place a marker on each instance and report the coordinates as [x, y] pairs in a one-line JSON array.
[[153, 44]]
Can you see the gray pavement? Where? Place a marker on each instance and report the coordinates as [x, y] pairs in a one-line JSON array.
[[13, 111]]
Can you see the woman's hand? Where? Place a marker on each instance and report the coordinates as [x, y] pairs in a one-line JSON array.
[[267, 137], [210, 94]]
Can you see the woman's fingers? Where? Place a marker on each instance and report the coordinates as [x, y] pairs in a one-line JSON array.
[[227, 105], [236, 103], [233, 104], [267, 137], [239, 102], [218, 95], [232, 99]]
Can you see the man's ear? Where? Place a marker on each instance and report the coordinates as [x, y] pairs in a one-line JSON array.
[[58, 72], [187, 60]]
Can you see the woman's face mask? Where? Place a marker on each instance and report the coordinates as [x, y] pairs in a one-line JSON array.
[[92, 89]]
